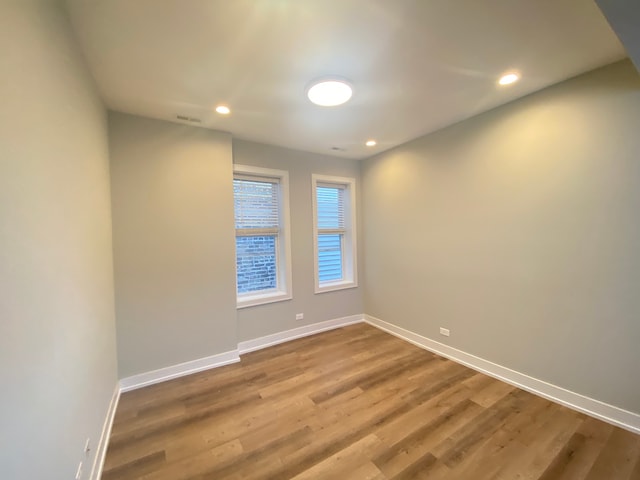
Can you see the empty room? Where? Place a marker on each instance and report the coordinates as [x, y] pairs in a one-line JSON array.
[[320, 239]]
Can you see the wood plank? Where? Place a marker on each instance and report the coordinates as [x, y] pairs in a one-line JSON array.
[[618, 457]]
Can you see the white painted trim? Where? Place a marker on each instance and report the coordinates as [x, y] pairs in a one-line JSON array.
[[281, 337], [595, 408], [246, 301], [101, 452], [180, 370], [221, 359]]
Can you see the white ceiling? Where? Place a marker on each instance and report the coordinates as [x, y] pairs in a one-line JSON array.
[[416, 65]]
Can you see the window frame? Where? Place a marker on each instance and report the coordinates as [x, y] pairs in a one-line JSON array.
[[284, 284], [349, 241]]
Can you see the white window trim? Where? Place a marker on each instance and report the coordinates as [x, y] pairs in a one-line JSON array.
[[350, 246], [285, 285]]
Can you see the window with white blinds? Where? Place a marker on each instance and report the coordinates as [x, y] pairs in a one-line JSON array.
[[262, 242], [334, 233], [256, 203]]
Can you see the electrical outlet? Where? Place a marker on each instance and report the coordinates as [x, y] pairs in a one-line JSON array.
[[444, 331], [299, 316], [87, 447], [79, 472]]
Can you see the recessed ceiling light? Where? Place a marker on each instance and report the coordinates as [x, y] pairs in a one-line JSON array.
[[509, 78], [371, 143], [223, 110], [329, 92]]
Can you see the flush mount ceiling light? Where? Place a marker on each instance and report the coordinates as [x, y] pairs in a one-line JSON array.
[[371, 143], [509, 78], [223, 110], [329, 92]]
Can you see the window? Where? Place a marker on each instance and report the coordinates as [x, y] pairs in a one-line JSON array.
[[334, 233], [263, 250]]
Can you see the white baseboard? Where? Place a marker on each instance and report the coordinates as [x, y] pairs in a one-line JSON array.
[[180, 370], [98, 461], [233, 356], [287, 335], [595, 408]]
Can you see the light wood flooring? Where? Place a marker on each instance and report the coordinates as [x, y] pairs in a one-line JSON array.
[[353, 404]]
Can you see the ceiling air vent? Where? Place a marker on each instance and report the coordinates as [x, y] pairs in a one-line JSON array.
[[338, 149], [184, 118]]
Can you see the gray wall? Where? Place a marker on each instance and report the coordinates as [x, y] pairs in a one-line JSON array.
[[519, 231], [254, 322], [57, 332], [174, 247], [624, 18]]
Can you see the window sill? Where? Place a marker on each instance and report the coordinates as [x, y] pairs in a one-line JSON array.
[[333, 286], [261, 299]]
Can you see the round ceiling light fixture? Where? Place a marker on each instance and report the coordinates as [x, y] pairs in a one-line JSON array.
[[329, 91], [223, 110], [509, 78], [371, 143]]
